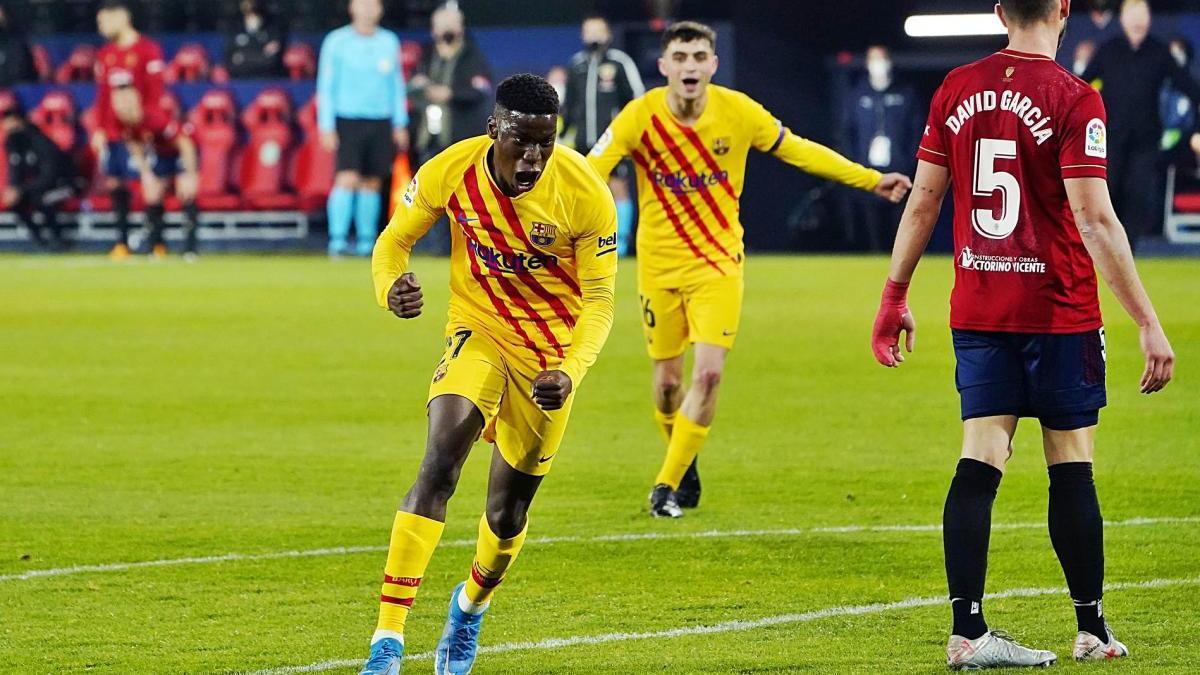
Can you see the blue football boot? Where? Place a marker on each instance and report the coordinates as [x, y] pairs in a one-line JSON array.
[[385, 657], [460, 639]]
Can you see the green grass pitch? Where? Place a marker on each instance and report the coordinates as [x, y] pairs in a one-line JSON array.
[[263, 405]]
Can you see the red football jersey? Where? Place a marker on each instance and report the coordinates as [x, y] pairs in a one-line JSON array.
[[140, 65], [1011, 127]]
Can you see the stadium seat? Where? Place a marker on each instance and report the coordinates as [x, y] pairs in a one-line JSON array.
[[410, 57], [55, 116], [189, 65], [214, 119], [80, 66], [8, 100], [42, 64], [220, 75], [262, 171], [300, 61], [313, 167]]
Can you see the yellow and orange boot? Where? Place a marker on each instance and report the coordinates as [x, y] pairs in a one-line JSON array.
[[159, 252], [119, 252]]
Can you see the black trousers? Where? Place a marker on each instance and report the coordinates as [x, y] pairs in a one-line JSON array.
[[1135, 181]]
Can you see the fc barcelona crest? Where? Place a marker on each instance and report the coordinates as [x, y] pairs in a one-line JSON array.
[[721, 145], [543, 234]]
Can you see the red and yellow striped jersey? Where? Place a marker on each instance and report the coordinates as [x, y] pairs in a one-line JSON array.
[[522, 268], [690, 178]]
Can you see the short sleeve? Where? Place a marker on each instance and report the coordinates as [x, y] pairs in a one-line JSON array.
[[1083, 148], [933, 142]]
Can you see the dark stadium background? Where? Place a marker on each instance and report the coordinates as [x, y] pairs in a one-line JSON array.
[[795, 56]]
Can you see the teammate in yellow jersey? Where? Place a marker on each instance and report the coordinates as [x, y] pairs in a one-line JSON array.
[[689, 141], [533, 267]]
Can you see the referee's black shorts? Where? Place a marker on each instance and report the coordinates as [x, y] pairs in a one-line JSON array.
[[365, 146]]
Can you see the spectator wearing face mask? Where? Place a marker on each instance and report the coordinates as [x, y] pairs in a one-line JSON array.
[[450, 88], [1130, 72], [881, 127], [601, 79], [256, 49]]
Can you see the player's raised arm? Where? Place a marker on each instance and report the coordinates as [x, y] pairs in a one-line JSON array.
[[771, 137], [418, 210], [916, 227], [1108, 245]]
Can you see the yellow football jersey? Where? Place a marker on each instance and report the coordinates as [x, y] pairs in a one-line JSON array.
[[521, 267], [690, 178]]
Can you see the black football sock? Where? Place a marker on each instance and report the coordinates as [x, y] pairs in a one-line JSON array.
[[155, 215], [966, 530], [121, 200], [191, 223], [1077, 532]]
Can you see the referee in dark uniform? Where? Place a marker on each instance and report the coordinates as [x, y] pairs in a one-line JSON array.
[[600, 81], [1130, 72]]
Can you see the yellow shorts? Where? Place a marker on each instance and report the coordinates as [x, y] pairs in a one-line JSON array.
[[673, 318], [491, 375]]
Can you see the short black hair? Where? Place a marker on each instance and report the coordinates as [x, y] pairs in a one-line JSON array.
[[105, 5], [527, 93], [1024, 12], [687, 31]]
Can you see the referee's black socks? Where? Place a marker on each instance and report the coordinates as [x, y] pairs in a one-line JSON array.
[[967, 527], [1077, 532]]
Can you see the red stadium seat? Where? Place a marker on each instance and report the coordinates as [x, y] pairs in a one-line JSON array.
[[313, 167], [300, 61], [80, 66], [214, 119], [189, 65], [220, 75], [262, 175], [55, 116], [410, 56], [42, 65]]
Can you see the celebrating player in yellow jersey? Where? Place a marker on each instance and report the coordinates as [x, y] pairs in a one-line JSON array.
[[689, 141], [533, 267]]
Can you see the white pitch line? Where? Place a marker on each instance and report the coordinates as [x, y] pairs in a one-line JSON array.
[[569, 539], [737, 625]]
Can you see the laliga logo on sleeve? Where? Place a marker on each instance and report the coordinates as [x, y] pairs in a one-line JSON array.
[[411, 193], [968, 258], [1097, 139]]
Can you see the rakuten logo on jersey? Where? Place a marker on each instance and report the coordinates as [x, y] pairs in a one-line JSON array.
[[517, 262], [681, 182], [1000, 263]]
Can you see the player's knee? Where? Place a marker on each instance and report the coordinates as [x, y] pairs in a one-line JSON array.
[[706, 380], [506, 520], [370, 183], [667, 386], [347, 180], [434, 486]]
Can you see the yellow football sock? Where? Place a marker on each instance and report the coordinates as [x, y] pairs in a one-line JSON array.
[[413, 540], [493, 557], [666, 423], [686, 439]]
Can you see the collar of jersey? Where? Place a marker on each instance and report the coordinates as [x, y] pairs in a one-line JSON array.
[[1025, 55]]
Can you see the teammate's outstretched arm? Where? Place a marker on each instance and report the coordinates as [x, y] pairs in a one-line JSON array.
[[1108, 245], [916, 227]]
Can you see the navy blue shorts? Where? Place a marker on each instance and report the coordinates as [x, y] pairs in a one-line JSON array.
[[1058, 379], [120, 164]]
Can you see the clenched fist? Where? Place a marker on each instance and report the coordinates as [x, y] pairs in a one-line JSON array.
[[405, 299]]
